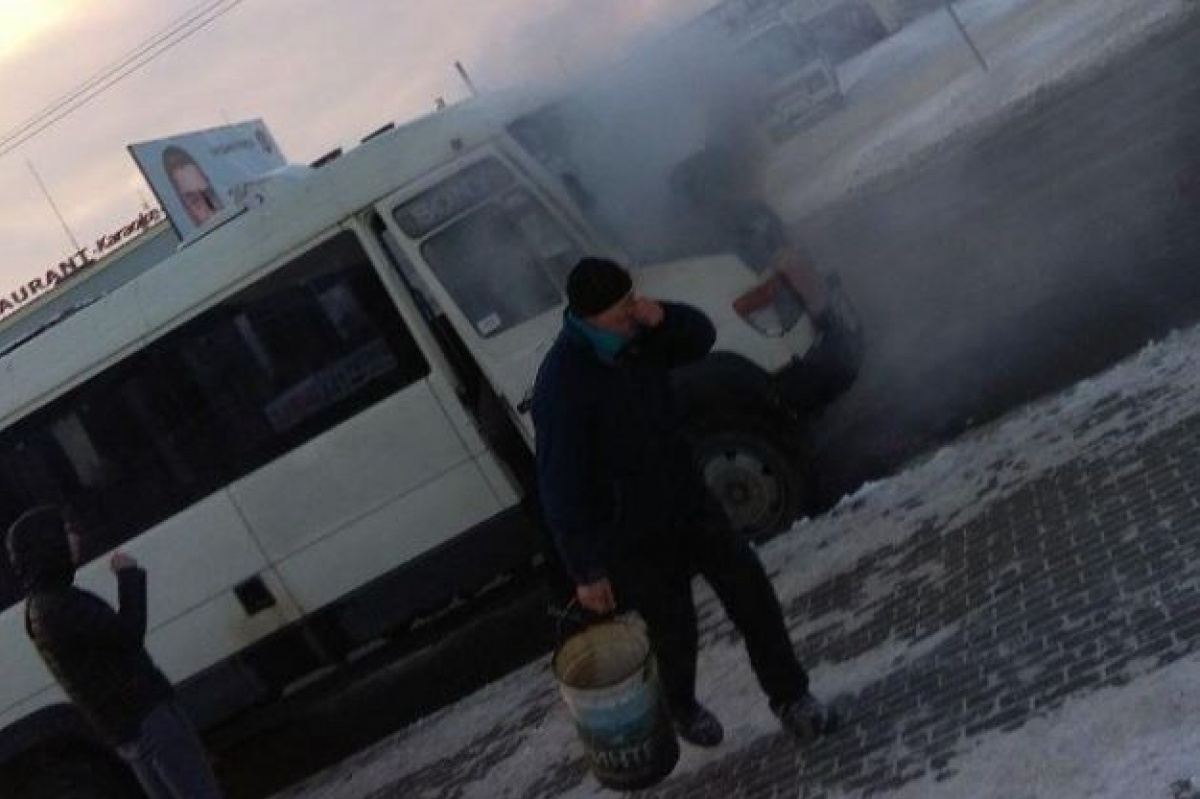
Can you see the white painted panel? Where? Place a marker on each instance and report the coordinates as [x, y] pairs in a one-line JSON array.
[[24, 673], [187, 644], [232, 253], [500, 479], [213, 631], [190, 558], [389, 536], [193, 561], [50, 695], [37, 370], [711, 284], [326, 484], [462, 421]]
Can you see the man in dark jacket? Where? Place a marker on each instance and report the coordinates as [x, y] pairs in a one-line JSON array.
[[627, 507], [98, 658]]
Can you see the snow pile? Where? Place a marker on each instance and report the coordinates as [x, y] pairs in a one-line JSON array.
[[1137, 742], [1147, 394]]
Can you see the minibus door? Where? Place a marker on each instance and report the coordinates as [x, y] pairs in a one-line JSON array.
[[494, 257]]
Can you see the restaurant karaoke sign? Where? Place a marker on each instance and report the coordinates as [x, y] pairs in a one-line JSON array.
[[78, 262]]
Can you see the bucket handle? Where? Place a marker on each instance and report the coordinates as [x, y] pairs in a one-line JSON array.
[[585, 618], [580, 617]]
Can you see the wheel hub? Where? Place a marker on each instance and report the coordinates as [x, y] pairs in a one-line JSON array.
[[745, 486]]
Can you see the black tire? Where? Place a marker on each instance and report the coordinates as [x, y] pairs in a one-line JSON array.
[[81, 779], [757, 481]]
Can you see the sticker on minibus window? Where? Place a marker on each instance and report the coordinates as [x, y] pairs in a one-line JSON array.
[[488, 324]]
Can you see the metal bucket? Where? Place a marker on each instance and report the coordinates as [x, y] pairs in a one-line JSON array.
[[606, 674]]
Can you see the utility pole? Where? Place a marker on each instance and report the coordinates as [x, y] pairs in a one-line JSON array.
[[966, 36], [462, 73], [57, 213]]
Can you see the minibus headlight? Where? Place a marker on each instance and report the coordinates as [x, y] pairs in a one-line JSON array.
[[772, 307]]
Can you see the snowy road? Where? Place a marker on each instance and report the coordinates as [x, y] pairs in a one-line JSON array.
[[1012, 264]]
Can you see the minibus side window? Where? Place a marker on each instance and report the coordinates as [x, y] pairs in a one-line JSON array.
[[308, 346]]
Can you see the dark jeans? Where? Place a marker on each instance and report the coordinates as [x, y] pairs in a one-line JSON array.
[[657, 582], [168, 757]]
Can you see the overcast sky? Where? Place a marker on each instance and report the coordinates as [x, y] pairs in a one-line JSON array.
[[320, 73]]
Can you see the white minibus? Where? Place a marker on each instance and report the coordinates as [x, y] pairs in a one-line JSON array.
[[310, 422]]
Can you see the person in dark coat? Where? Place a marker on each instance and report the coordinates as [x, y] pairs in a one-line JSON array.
[[98, 658], [627, 508]]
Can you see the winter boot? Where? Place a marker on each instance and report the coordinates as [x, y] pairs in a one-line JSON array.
[[806, 718], [698, 726]]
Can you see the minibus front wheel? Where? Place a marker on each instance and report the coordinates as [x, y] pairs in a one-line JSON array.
[[757, 481]]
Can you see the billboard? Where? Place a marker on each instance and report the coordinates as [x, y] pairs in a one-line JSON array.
[[193, 175]]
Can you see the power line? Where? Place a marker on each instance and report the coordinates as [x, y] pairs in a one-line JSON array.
[[178, 31], [148, 51], [107, 71]]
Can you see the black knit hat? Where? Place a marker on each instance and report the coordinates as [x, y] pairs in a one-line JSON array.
[[38, 550], [595, 285]]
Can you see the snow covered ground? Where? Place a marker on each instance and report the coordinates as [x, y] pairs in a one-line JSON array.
[[1139, 740], [916, 91], [906, 96]]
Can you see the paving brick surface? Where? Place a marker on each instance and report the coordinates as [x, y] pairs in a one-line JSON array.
[[1082, 577]]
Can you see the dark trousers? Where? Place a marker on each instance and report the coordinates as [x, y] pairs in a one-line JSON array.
[[657, 582], [168, 757]]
